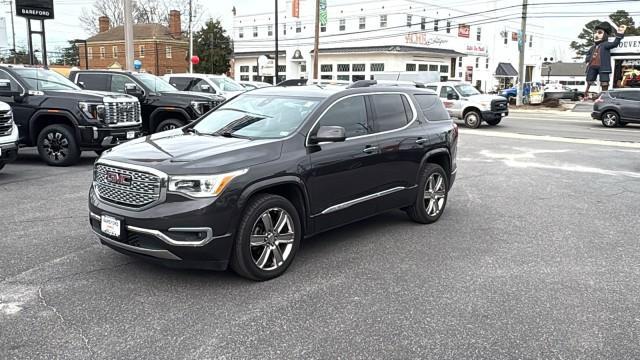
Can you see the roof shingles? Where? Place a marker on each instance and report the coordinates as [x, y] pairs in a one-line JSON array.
[[140, 32]]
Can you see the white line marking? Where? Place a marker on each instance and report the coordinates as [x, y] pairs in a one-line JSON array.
[[508, 135], [616, 130]]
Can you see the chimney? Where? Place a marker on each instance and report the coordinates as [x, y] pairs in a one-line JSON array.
[[103, 24], [175, 27]]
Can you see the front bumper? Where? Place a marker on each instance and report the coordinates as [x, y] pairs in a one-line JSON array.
[[184, 233], [494, 115], [97, 138], [8, 152]]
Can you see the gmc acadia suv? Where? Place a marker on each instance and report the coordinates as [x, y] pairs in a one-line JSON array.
[[61, 119], [163, 106], [245, 183]]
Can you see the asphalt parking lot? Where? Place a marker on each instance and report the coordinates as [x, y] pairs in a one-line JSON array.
[[536, 256]]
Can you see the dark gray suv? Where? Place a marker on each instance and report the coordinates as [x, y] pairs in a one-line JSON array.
[[617, 107]]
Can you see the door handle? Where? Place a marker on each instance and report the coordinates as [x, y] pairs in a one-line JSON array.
[[421, 141], [370, 149]]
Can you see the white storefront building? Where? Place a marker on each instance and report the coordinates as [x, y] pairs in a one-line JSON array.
[[362, 38]]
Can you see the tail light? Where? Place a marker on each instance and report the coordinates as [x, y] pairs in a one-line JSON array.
[[600, 99]]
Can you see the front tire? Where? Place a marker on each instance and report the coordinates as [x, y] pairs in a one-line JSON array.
[[57, 145], [610, 119], [267, 239], [432, 195], [472, 119], [169, 124], [494, 122]]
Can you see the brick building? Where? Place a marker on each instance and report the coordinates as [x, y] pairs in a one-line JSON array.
[[162, 50]]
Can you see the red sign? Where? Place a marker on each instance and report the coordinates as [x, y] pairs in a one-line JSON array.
[[295, 8], [464, 30]]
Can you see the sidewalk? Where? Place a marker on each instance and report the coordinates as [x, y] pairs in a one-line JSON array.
[[547, 111]]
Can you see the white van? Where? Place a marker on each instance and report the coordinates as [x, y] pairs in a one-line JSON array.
[[205, 83]]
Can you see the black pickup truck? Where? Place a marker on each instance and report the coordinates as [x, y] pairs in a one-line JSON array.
[[163, 106], [61, 119]]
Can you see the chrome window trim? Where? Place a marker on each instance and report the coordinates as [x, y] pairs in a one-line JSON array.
[[350, 203], [24, 91], [413, 110]]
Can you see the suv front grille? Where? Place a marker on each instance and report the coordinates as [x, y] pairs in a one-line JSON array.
[[6, 123], [119, 112], [499, 105], [128, 188]]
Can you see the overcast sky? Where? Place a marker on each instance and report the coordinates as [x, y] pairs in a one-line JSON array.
[[557, 32]]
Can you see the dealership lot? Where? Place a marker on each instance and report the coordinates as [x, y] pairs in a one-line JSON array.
[[535, 256]]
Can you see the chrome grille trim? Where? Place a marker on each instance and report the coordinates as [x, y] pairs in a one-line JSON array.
[[6, 123], [121, 113], [147, 189]]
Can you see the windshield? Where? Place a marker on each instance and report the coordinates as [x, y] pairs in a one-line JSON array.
[[258, 116], [226, 84], [41, 79], [154, 83], [467, 90]]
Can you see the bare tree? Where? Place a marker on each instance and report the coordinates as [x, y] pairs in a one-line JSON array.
[[144, 11]]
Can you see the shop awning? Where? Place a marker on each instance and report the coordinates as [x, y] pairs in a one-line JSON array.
[[505, 70]]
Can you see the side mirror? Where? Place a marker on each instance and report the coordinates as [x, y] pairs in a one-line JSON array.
[[5, 89], [329, 134], [132, 89], [205, 88], [81, 84]]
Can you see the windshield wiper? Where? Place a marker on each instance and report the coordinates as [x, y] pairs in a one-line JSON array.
[[262, 116]]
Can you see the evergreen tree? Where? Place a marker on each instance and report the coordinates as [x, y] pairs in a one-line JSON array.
[[213, 46]]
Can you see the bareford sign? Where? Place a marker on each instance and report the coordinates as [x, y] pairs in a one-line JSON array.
[[35, 9]]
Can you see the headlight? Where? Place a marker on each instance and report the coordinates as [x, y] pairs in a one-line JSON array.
[[198, 106], [485, 104], [201, 186], [10, 114], [93, 111]]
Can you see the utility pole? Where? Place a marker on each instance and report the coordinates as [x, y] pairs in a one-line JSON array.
[[190, 36], [13, 31], [316, 41], [275, 77], [128, 35], [521, 44]]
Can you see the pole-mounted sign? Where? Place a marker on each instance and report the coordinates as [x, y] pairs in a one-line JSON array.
[[35, 9]]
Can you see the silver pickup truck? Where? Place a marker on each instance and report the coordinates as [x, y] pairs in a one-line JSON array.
[[464, 102]]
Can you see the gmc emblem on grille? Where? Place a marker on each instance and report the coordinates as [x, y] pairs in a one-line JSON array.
[[116, 178]]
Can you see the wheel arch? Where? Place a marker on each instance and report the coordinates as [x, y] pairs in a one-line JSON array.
[[43, 118], [471, 108], [160, 114], [291, 188], [439, 156]]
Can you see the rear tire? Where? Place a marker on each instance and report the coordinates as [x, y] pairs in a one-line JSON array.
[[472, 119], [267, 238], [610, 119], [57, 145], [494, 122], [431, 200], [169, 124]]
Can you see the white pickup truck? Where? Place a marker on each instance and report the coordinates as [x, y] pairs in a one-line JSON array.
[[464, 102], [8, 136]]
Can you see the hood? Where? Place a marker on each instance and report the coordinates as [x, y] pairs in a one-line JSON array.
[[175, 152], [484, 98], [86, 95], [193, 96]]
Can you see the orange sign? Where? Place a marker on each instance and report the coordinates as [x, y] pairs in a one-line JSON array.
[[295, 8]]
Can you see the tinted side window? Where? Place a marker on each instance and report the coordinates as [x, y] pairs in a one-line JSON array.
[[180, 83], [350, 113], [389, 112], [431, 107], [118, 81], [627, 95], [196, 85], [94, 81]]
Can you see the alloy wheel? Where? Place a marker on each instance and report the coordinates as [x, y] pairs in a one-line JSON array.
[[272, 239], [610, 119], [435, 193], [56, 146]]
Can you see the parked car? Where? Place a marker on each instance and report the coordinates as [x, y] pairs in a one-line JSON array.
[[8, 130], [562, 92], [250, 85], [465, 102], [61, 119], [245, 183], [206, 83], [617, 107], [163, 107]]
